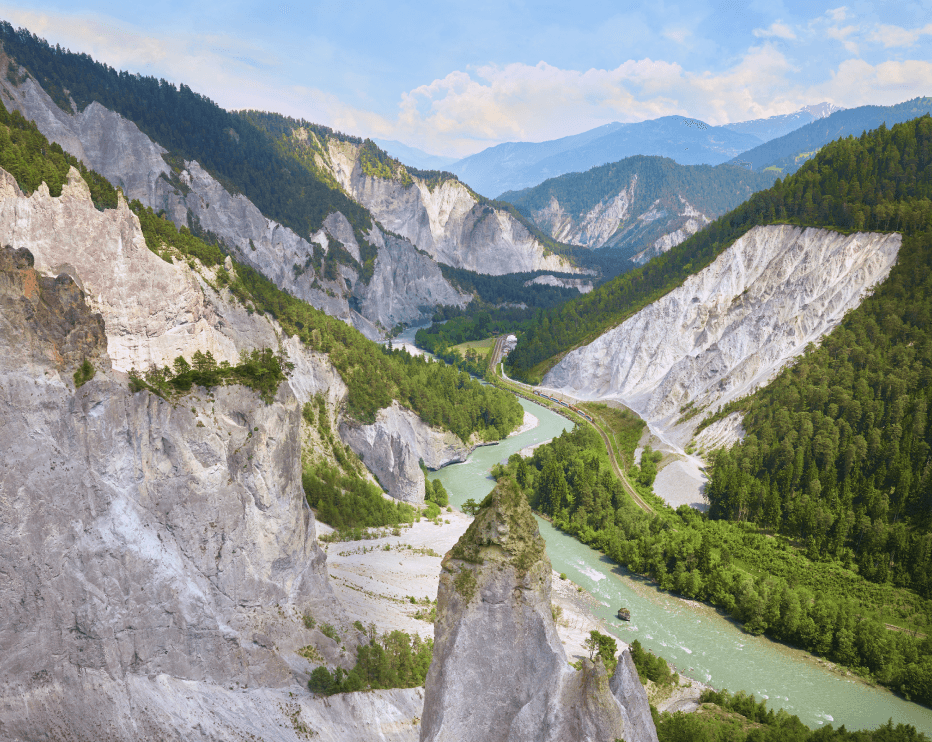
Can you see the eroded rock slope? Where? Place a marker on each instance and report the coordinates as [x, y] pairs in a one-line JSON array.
[[158, 557], [731, 327], [444, 219], [499, 671]]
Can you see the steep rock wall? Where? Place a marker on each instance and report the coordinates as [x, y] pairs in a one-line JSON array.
[[95, 707], [445, 220], [687, 221], [592, 229], [155, 311], [140, 537], [731, 327], [499, 671], [394, 445]]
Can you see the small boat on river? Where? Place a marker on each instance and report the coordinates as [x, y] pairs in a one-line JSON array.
[[624, 614]]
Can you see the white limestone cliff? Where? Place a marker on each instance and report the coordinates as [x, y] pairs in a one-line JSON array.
[[731, 327], [444, 220], [394, 445], [592, 229]]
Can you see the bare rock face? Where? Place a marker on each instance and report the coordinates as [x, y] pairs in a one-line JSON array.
[[141, 538], [394, 445], [499, 671], [731, 327], [406, 285], [445, 219]]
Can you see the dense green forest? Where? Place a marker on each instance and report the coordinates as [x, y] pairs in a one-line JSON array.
[[837, 452], [782, 152], [190, 126], [765, 583], [29, 157], [738, 717], [712, 190], [880, 182]]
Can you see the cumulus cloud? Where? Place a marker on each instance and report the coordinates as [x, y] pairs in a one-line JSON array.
[[467, 110], [776, 29], [857, 83], [897, 36], [841, 34]]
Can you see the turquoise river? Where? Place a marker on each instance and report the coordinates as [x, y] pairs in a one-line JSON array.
[[695, 638]]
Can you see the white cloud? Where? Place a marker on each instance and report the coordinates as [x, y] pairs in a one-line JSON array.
[[777, 29], [837, 14], [897, 36], [857, 83], [842, 34]]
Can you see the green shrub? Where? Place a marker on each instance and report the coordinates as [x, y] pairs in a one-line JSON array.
[[84, 373]]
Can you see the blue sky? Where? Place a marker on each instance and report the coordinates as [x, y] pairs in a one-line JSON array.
[[453, 77]]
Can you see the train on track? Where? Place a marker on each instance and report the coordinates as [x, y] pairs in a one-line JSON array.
[[561, 402]]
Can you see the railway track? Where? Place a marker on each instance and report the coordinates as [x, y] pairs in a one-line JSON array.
[[532, 394]]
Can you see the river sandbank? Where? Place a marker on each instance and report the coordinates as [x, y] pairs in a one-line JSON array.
[[375, 584], [529, 423]]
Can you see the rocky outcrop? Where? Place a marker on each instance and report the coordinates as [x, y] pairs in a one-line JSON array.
[[404, 280], [116, 148], [731, 327], [592, 229], [394, 445], [582, 285], [687, 221], [499, 671], [141, 538], [444, 219]]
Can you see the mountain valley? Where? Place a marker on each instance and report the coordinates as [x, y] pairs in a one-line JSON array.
[[225, 487]]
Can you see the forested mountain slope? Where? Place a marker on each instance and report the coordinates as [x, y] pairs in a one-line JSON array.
[[787, 153], [432, 209], [640, 206], [880, 199]]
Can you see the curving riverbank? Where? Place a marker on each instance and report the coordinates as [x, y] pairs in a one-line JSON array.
[[688, 634]]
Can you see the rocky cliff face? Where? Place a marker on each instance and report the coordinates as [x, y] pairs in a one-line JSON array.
[[499, 671], [612, 223], [731, 327], [395, 444], [683, 223], [445, 219], [117, 149], [140, 537], [158, 556]]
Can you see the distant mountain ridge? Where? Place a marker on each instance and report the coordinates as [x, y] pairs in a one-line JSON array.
[[787, 153], [413, 156], [778, 126], [688, 141]]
